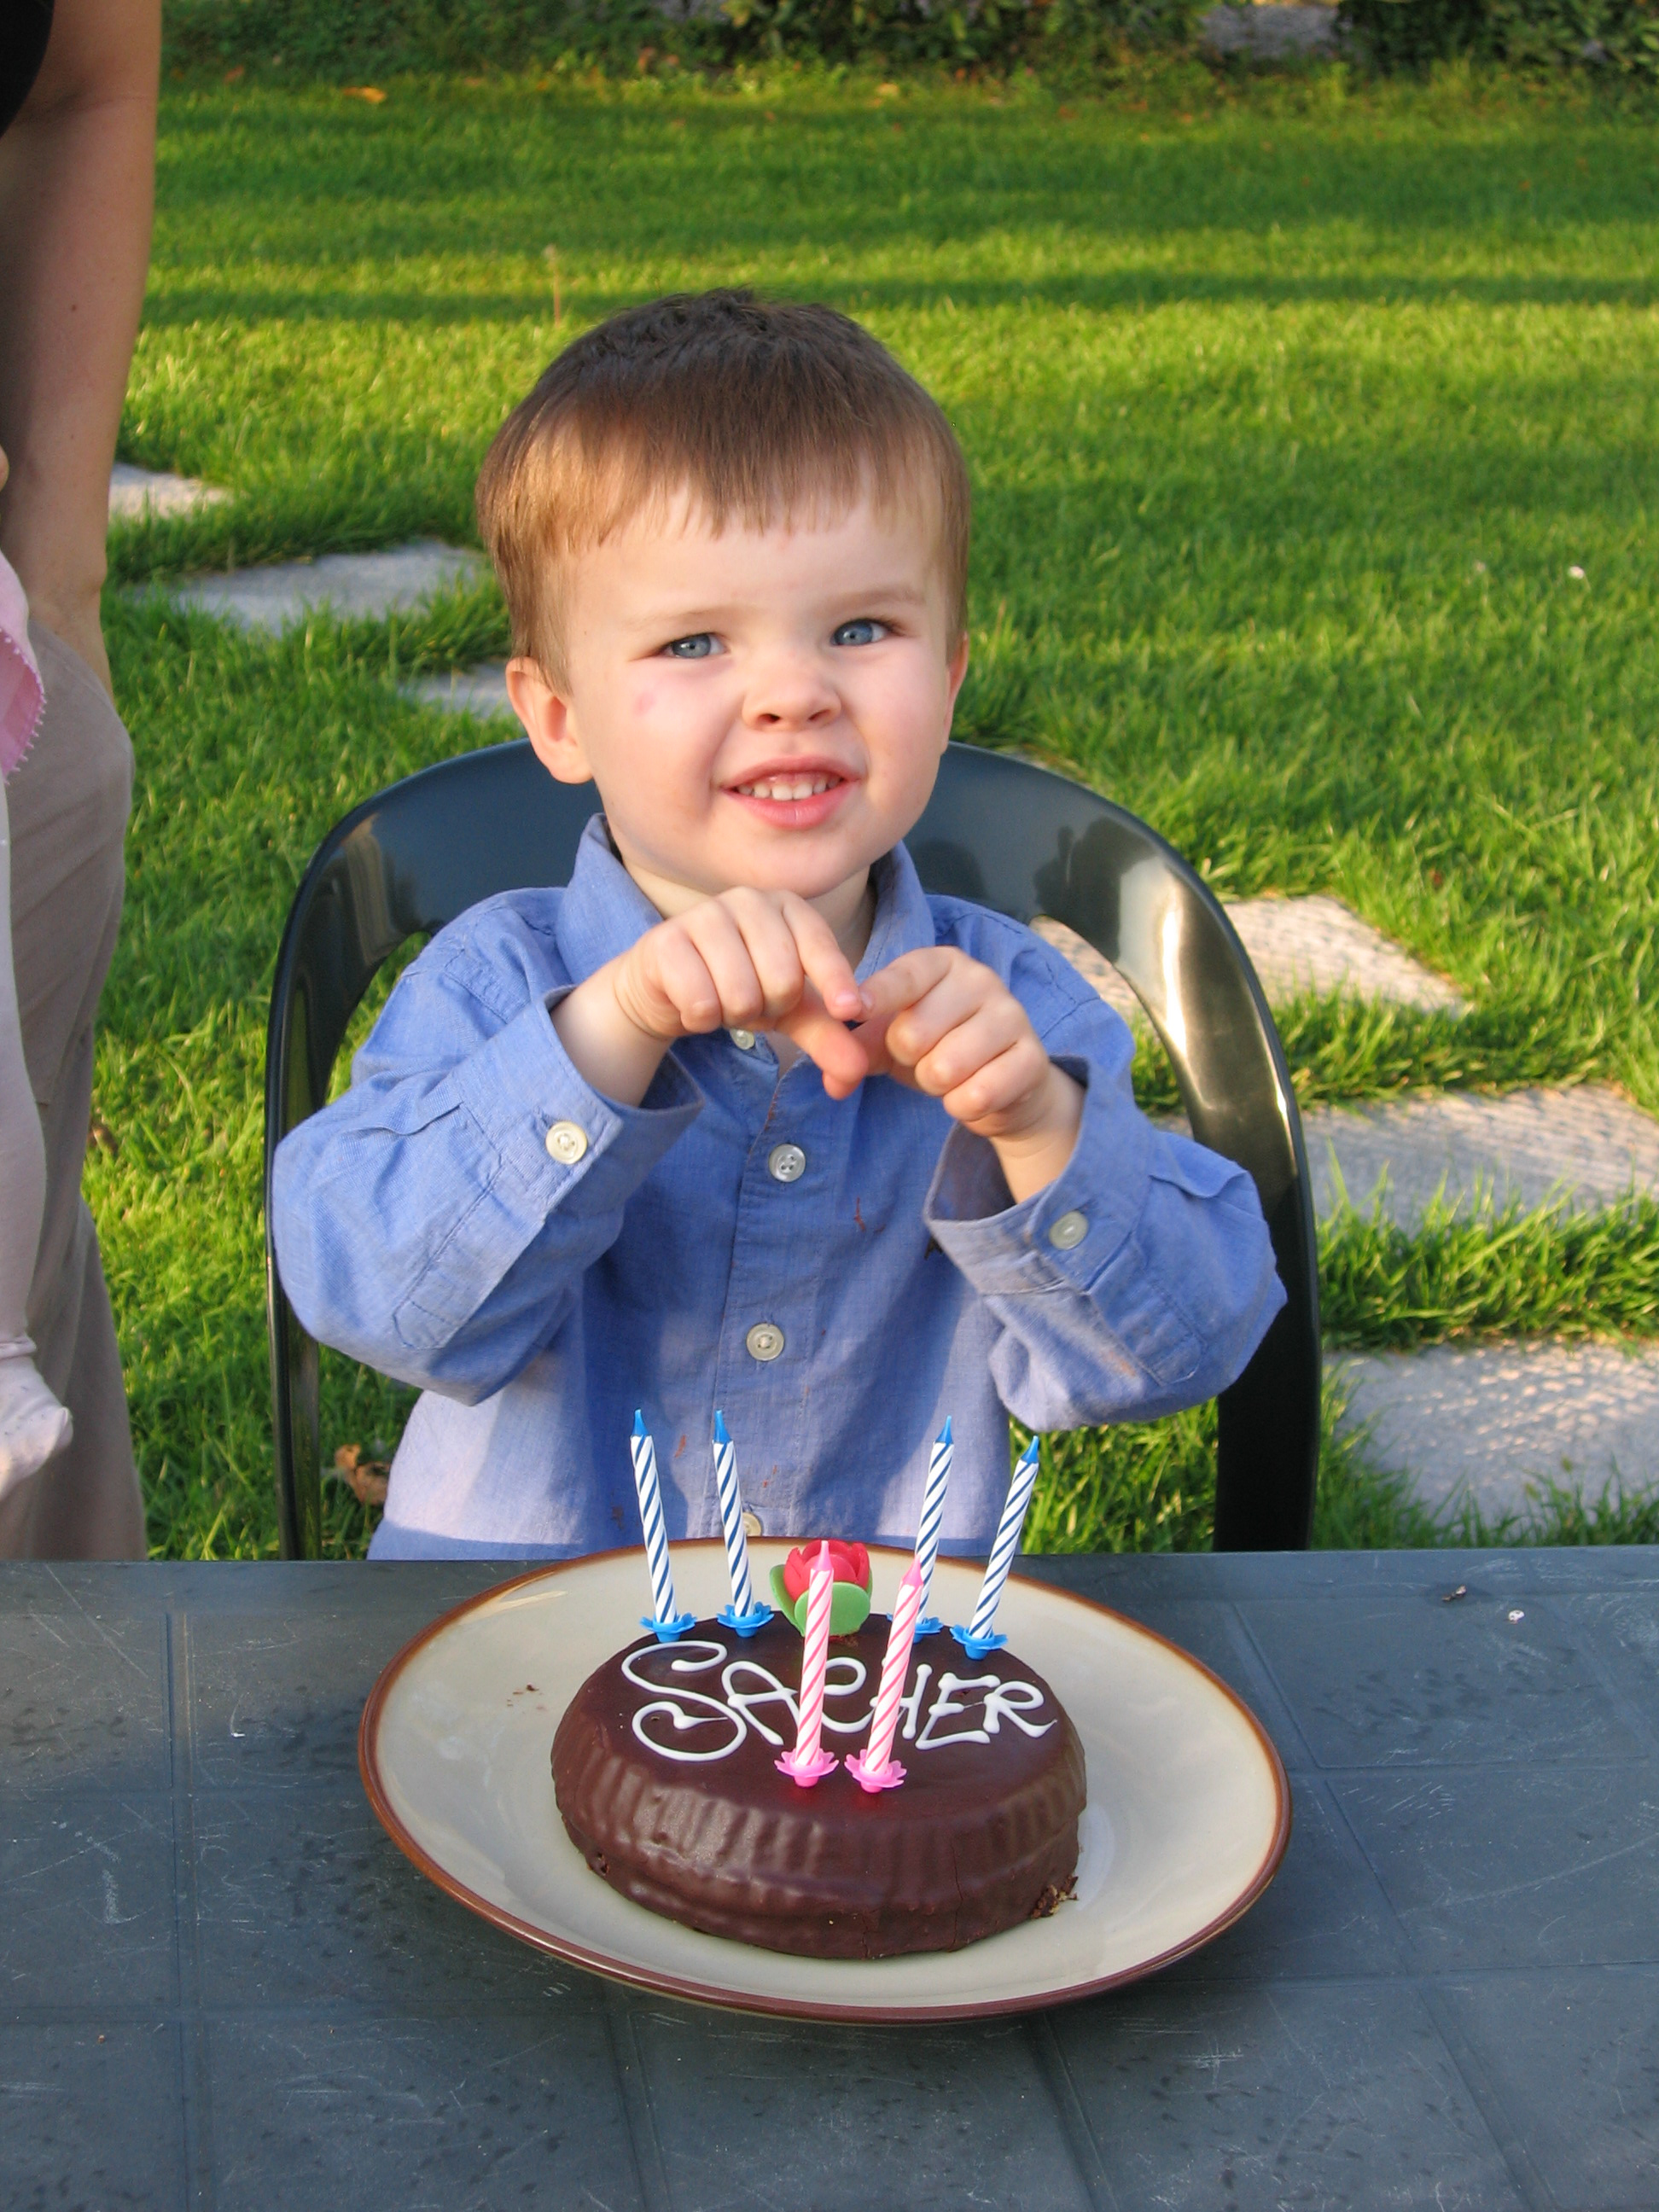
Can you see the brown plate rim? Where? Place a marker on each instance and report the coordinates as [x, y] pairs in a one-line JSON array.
[[676, 1986]]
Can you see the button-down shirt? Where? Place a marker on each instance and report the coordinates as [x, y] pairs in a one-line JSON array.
[[474, 1218]]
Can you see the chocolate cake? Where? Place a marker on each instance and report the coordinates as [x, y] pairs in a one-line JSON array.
[[663, 1767]]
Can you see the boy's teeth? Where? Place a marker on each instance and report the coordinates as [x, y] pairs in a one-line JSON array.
[[787, 787]]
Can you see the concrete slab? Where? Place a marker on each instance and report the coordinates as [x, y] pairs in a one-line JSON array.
[[1486, 1421], [134, 493], [1317, 943], [1580, 1149], [1294, 945], [1269, 31], [347, 584], [480, 691]]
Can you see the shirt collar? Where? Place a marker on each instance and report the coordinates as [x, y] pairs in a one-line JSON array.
[[604, 910]]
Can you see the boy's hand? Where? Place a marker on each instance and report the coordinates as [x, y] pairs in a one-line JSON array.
[[945, 1024], [746, 959]]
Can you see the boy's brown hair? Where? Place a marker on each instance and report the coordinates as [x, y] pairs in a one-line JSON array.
[[758, 410]]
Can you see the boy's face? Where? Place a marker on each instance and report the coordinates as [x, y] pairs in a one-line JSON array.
[[764, 709]]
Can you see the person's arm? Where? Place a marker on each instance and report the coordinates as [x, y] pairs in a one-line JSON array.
[[1138, 1280], [437, 1220], [78, 172]]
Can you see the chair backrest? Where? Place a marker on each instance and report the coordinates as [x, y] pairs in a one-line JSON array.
[[997, 829]]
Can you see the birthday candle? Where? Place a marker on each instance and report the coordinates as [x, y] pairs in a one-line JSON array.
[[877, 1768], [809, 1760], [736, 1544], [656, 1535], [933, 1512], [1007, 1543]]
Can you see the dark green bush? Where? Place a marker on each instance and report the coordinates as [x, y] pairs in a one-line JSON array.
[[1619, 36], [327, 40]]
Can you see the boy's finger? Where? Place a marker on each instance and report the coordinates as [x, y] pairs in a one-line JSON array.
[[958, 996], [772, 948], [725, 951], [958, 1056], [827, 966], [839, 1057], [996, 1099], [677, 974], [907, 979]]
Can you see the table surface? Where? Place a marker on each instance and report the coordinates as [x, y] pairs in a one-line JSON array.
[[226, 1988]]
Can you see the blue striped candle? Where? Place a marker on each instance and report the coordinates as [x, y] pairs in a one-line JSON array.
[[664, 1620], [980, 1636], [933, 1516], [743, 1614]]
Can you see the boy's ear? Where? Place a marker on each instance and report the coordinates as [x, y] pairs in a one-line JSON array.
[[546, 718], [955, 669]]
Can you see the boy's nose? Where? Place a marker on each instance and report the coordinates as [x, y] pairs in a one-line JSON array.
[[790, 693]]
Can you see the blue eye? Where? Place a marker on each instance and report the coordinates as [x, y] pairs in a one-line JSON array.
[[693, 648], [861, 632]]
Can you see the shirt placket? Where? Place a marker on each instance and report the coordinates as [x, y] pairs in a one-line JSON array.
[[770, 1326]]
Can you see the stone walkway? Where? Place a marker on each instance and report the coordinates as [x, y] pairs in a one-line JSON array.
[[480, 691], [1486, 1422], [1581, 1149], [134, 492], [361, 584]]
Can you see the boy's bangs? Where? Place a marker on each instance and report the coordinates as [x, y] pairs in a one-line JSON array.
[[750, 413]]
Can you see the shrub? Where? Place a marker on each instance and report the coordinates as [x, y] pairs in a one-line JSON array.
[[1620, 35], [326, 39]]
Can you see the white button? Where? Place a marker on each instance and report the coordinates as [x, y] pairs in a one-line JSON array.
[[765, 1340], [1070, 1229], [567, 1141], [786, 1163], [751, 1522], [743, 1039]]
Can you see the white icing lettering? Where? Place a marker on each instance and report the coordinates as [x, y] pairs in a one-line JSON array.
[[702, 1709], [849, 1688], [770, 1691], [910, 1703], [947, 1705], [746, 1683], [1007, 1701]]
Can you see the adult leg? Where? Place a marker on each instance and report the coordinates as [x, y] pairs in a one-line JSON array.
[[33, 1424], [69, 801]]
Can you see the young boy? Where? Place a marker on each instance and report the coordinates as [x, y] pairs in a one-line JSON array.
[[741, 1118]]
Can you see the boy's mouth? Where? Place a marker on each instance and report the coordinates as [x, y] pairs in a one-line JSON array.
[[787, 787], [793, 798]]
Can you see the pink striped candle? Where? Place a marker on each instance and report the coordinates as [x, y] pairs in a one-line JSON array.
[[875, 1768], [809, 1762]]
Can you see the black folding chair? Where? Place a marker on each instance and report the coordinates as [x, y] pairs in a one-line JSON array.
[[997, 829]]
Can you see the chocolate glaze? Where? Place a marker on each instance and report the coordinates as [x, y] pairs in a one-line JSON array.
[[981, 1835]]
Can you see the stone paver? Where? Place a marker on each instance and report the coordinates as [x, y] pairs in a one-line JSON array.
[[135, 492], [1579, 1149], [1294, 945], [347, 584], [480, 691], [1270, 31], [1483, 1421]]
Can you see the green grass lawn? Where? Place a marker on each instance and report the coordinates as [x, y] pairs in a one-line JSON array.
[[1292, 411]]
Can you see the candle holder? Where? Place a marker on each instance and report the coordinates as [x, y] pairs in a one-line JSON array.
[[872, 1778], [668, 1631], [806, 1771], [744, 1624], [978, 1647]]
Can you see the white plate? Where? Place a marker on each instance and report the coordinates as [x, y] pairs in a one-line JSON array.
[[1187, 1817]]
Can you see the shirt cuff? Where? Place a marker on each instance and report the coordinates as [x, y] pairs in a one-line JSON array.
[[1063, 1235], [551, 1128]]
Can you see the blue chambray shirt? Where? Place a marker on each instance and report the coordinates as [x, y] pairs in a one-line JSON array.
[[423, 1224]]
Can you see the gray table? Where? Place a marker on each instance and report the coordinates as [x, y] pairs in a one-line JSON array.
[[224, 1987]]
